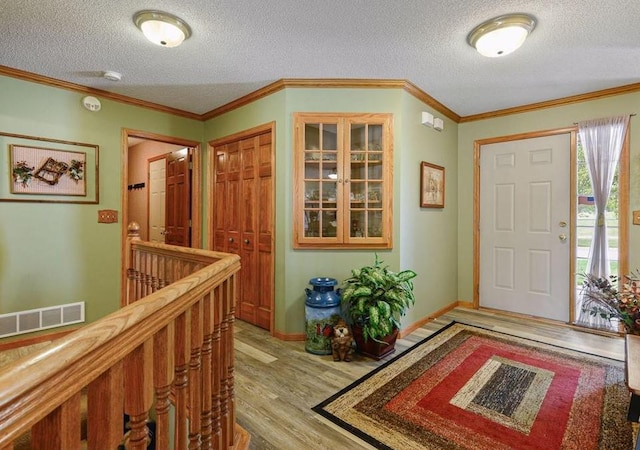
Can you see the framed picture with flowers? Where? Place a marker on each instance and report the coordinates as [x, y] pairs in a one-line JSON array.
[[49, 170]]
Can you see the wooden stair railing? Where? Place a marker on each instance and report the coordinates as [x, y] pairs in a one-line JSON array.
[[169, 348]]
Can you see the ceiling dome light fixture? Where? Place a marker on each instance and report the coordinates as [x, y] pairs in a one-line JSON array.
[[501, 35], [162, 28]]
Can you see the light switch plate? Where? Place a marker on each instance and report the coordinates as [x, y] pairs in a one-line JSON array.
[[636, 217], [107, 216]]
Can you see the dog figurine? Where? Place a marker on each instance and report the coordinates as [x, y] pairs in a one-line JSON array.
[[341, 342]]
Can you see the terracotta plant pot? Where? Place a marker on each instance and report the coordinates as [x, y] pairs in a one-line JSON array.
[[371, 348]]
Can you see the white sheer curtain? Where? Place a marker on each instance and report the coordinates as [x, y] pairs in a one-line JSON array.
[[602, 141]]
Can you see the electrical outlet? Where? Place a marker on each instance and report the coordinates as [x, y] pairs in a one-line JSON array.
[[107, 216], [636, 217]]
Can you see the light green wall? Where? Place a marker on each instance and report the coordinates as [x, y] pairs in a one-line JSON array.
[[52, 254], [57, 253], [416, 243], [545, 119], [427, 236]]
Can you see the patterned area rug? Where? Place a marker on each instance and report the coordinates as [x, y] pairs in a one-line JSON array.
[[469, 388]]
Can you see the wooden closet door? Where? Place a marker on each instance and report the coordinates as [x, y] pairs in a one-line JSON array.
[[243, 222]]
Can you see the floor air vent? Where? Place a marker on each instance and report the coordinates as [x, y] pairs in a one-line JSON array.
[[41, 319]]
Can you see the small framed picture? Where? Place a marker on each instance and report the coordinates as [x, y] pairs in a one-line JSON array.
[[431, 185]]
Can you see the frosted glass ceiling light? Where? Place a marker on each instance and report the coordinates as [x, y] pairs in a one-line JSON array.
[[162, 28], [501, 35]]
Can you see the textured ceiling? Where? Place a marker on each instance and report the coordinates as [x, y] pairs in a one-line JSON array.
[[239, 46]]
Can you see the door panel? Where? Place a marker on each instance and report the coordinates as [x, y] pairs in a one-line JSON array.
[[265, 231], [157, 199], [249, 205], [232, 202], [220, 200], [178, 210], [524, 246]]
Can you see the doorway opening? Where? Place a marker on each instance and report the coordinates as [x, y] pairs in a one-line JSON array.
[[160, 190]]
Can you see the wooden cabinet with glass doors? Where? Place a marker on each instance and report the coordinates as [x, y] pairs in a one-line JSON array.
[[343, 186]]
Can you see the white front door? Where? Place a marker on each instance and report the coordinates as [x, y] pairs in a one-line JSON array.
[[525, 226], [157, 196]]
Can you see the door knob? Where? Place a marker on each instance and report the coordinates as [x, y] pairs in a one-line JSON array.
[[230, 239], [246, 241], [562, 237]]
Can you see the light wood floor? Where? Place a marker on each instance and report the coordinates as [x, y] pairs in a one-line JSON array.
[[277, 382]]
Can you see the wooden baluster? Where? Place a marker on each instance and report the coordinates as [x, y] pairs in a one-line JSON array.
[[195, 377], [155, 273], [207, 379], [162, 268], [181, 380], [133, 234], [138, 276], [60, 430], [216, 372], [163, 367], [138, 382], [224, 365], [175, 270], [144, 272], [231, 357], [105, 404]]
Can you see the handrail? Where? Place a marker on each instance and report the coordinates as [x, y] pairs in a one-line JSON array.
[[172, 341]]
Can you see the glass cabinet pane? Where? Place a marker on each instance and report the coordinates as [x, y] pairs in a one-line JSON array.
[[358, 137], [312, 136], [374, 195], [329, 192], [311, 223], [311, 191], [358, 225], [329, 224], [375, 137], [374, 224], [329, 136], [311, 169]]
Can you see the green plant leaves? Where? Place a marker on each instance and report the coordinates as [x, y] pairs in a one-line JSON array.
[[375, 297]]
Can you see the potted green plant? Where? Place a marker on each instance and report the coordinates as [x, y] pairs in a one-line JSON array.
[[373, 300], [614, 298]]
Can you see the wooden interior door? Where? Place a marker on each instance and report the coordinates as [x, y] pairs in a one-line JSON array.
[[178, 192], [243, 222]]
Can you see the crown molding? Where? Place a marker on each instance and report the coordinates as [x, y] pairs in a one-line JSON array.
[[41, 79], [319, 83], [333, 83], [553, 103]]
